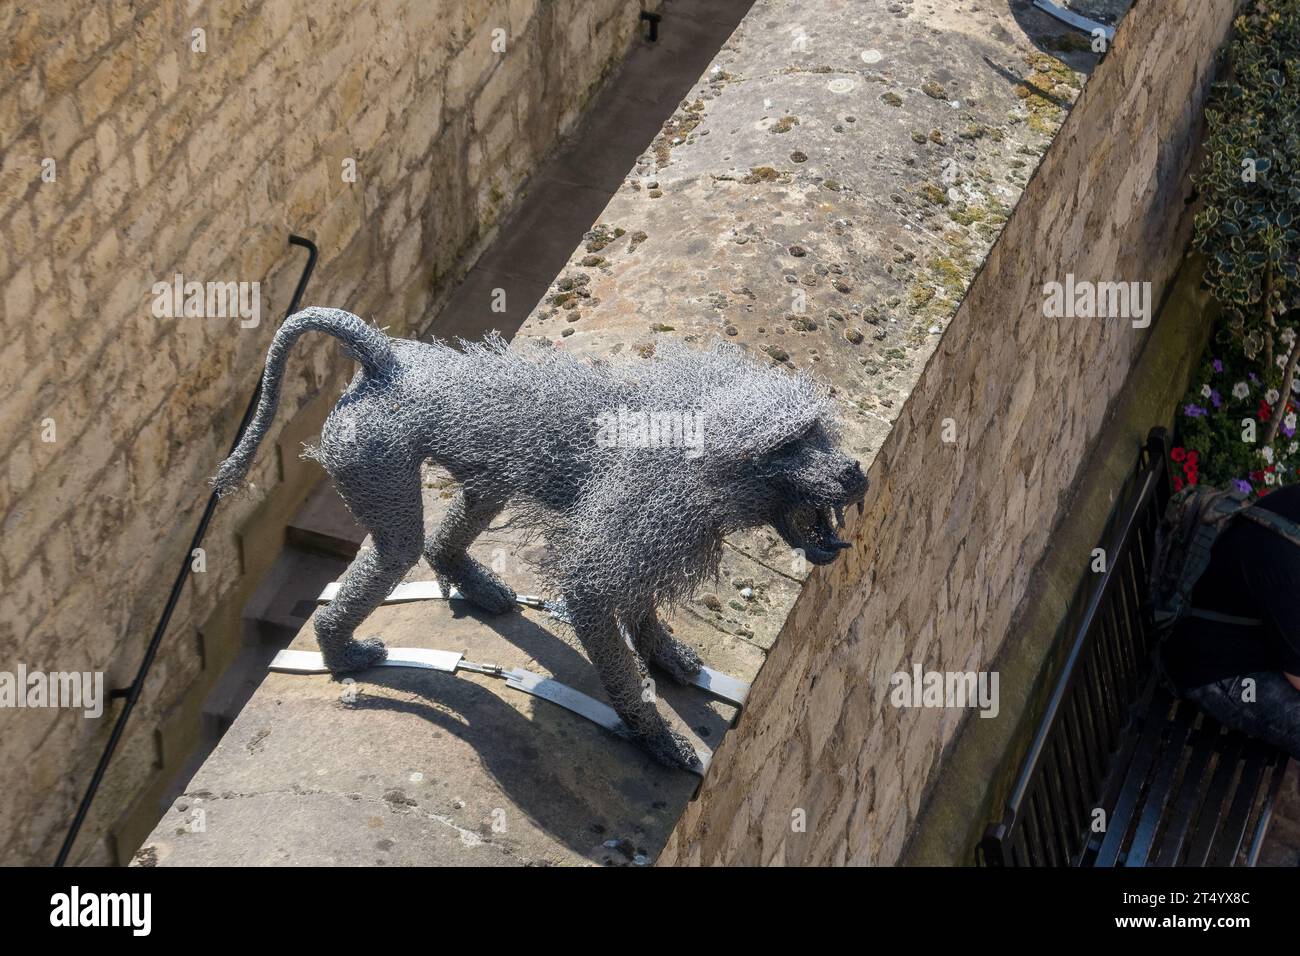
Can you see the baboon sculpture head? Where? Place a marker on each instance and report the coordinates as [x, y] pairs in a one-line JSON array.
[[771, 448], [803, 487]]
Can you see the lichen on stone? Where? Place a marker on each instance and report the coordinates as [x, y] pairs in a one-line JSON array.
[[1038, 91], [934, 194], [764, 174]]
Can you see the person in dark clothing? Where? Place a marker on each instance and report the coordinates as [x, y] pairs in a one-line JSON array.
[[1246, 676]]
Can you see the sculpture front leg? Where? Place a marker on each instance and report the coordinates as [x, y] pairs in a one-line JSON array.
[[630, 692], [657, 644]]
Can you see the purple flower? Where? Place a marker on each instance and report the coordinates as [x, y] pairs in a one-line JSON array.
[[1218, 365], [1254, 378], [1288, 432], [1216, 398], [1240, 485], [1194, 411]]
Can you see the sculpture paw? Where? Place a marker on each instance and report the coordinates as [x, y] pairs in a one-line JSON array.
[[482, 588], [678, 659], [672, 750], [354, 655]]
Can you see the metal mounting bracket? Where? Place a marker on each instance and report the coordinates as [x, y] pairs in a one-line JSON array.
[[291, 661], [733, 690], [1076, 20]]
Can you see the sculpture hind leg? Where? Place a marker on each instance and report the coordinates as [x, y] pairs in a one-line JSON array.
[[386, 502], [447, 551]]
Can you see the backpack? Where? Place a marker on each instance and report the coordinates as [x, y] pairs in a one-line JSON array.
[[1193, 521]]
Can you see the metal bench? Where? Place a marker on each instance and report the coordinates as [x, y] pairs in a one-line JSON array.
[[1119, 773]]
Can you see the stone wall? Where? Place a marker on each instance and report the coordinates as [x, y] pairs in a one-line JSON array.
[[175, 151], [952, 530]]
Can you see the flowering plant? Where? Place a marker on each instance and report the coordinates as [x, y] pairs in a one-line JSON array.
[[1240, 416], [1221, 425]]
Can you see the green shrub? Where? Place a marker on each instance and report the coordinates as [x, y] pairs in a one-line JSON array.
[[1233, 425]]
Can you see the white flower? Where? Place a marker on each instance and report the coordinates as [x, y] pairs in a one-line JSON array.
[[1272, 395], [1240, 390], [1289, 421], [1292, 448], [1269, 478], [1205, 391], [1267, 454], [1281, 360], [1288, 336]]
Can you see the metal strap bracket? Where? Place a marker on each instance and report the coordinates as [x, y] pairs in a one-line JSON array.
[[291, 661], [733, 690], [1076, 20]]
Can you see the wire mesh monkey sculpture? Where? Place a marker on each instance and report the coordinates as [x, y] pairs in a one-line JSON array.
[[632, 472]]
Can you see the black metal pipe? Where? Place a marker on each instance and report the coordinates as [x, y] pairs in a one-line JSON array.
[[132, 692]]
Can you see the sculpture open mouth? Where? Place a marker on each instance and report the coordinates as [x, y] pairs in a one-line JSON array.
[[812, 530]]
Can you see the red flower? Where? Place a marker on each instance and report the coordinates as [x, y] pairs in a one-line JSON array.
[[1193, 455], [1178, 454], [1265, 410], [1178, 483]]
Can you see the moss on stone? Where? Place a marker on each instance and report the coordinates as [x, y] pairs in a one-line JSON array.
[[1037, 91], [1068, 42], [763, 174], [965, 213], [935, 194], [951, 274]]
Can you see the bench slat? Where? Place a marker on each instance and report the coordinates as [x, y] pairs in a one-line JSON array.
[[1075, 787], [1207, 821], [1233, 832], [1057, 808], [1279, 764], [1180, 819], [1133, 778], [1153, 810]]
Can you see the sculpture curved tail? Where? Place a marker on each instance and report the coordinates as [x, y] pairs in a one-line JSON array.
[[364, 343]]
